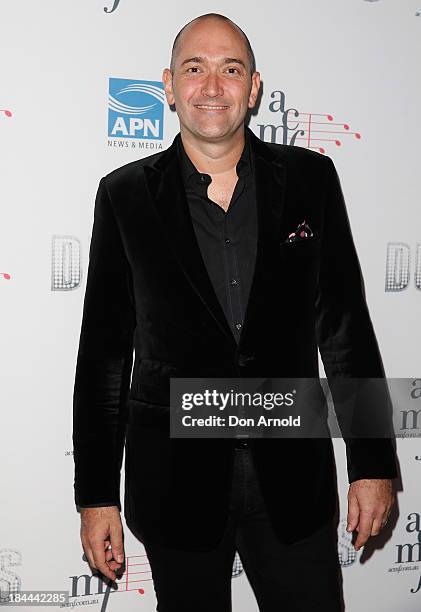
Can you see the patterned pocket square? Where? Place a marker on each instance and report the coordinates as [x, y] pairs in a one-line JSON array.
[[302, 232]]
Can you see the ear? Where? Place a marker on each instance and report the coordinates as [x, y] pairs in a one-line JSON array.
[[167, 80], [255, 86]]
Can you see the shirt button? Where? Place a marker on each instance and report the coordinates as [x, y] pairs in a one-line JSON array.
[[238, 325], [202, 178], [227, 241], [233, 282]]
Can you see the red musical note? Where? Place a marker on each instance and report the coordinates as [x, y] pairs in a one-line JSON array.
[[308, 130], [6, 275], [8, 113]]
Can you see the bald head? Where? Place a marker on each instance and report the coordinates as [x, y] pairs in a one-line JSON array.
[[211, 17], [212, 82]]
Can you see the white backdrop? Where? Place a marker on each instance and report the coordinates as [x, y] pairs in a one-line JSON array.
[[349, 69]]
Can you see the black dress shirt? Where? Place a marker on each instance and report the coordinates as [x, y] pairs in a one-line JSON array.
[[227, 240]]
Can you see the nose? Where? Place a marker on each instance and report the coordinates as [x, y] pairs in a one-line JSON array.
[[212, 86]]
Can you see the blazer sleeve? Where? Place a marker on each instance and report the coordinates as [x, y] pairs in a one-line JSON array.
[[347, 342], [104, 363]]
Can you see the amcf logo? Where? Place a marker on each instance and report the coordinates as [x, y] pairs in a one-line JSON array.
[[135, 109]]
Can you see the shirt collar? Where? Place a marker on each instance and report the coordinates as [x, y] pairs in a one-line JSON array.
[[189, 170]]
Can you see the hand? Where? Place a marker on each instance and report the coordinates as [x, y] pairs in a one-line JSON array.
[[99, 528], [369, 504]]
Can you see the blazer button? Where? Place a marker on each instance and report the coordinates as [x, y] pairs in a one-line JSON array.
[[244, 358], [241, 443]]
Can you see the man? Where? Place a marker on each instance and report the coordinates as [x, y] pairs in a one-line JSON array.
[[191, 263]]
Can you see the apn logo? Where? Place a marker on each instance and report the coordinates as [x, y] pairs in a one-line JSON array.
[[135, 109]]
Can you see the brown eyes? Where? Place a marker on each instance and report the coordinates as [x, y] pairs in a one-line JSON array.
[[230, 68]]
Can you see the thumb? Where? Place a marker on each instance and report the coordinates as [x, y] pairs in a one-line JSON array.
[[116, 538], [353, 512]]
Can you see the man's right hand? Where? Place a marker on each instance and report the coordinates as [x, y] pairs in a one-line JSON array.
[[99, 528]]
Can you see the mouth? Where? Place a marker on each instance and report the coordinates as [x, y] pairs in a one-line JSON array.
[[211, 107]]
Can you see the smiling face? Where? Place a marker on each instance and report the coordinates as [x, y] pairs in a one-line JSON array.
[[211, 85]]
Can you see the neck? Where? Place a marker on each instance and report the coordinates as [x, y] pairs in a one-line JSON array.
[[214, 157]]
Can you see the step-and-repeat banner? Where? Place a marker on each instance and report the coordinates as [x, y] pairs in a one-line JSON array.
[[80, 95]]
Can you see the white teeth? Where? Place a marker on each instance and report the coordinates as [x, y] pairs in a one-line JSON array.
[[216, 107]]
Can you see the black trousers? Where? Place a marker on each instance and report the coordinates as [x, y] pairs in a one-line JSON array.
[[300, 577]]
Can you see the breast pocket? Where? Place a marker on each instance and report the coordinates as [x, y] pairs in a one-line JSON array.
[[299, 264], [308, 247]]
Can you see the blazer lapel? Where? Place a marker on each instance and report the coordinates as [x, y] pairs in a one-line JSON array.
[[166, 188], [270, 180]]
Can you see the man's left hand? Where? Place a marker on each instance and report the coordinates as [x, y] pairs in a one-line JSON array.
[[369, 504]]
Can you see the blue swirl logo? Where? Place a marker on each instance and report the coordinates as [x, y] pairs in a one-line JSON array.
[[135, 109]]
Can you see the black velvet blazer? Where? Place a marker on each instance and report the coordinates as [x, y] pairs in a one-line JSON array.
[[148, 294]]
